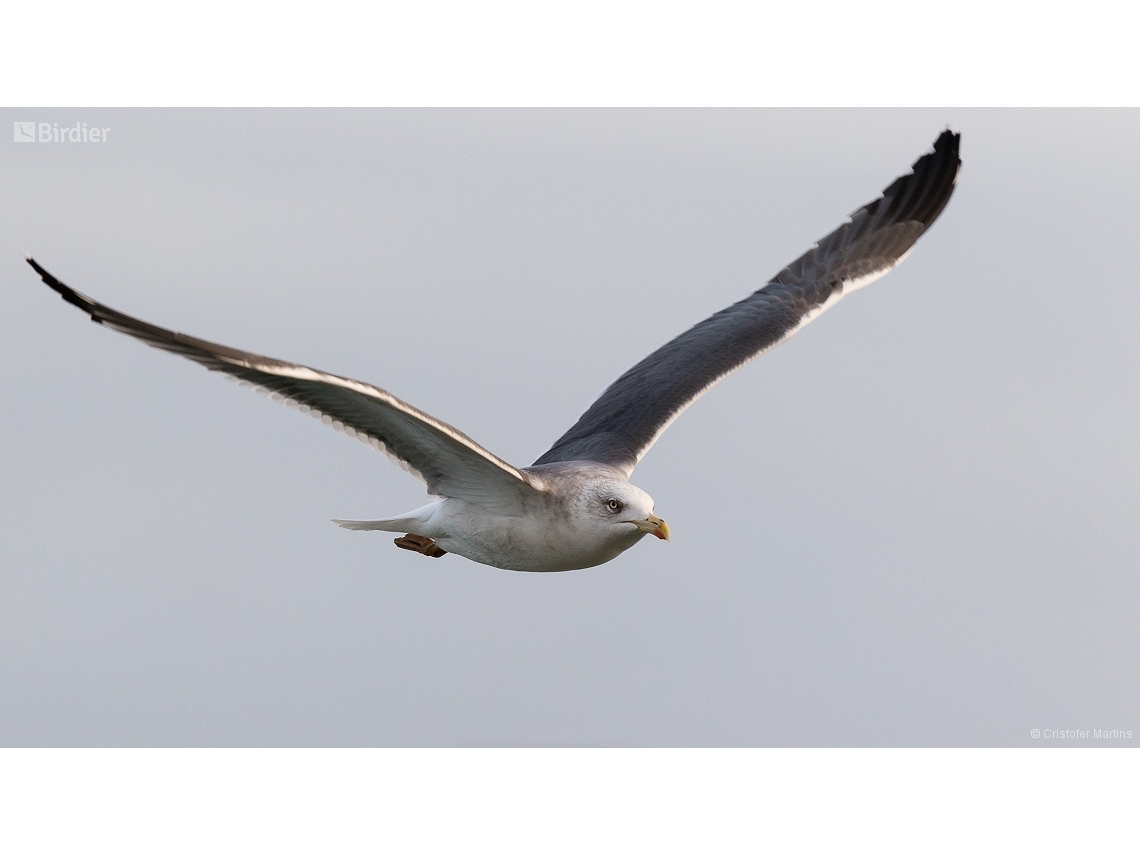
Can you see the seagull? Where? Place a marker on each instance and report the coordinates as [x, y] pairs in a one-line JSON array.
[[574, 507]]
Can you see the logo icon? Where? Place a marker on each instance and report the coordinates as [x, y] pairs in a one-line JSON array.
[[23, 131]]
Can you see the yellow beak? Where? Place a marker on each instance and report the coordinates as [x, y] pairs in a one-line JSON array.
[[653, 525]]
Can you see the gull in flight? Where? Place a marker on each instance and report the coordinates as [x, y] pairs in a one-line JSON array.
[[574, 507]]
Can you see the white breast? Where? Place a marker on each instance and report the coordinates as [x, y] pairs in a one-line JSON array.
[[536, 540]]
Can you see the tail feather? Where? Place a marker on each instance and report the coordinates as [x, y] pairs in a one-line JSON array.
[[413, 522], [373, 525]]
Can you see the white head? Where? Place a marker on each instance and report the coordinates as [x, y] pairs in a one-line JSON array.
[[616, 511]]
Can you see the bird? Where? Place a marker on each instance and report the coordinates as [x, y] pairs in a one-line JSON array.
[[575, 507]]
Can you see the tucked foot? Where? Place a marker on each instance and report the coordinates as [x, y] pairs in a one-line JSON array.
[[419, 543]]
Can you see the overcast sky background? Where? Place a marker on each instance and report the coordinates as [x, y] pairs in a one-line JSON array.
[[914, 524]]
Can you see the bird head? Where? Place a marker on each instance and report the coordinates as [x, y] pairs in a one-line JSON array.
[[623, 508]]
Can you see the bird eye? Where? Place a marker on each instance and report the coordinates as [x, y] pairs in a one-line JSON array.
[[614, 505]]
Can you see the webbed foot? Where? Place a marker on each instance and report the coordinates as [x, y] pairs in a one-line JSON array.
[[419, 543]]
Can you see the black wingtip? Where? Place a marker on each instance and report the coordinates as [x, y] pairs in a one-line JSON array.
[[66, 291], [947, 142], [49, 280], [923, 193]]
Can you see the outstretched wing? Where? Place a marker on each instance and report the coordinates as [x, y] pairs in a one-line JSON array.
[[449, 463], [622, 425]]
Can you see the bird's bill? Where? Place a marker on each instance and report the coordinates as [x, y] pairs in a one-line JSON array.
[[652, 525]]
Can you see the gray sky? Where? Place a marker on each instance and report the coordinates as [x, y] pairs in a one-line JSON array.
[[914, 524]]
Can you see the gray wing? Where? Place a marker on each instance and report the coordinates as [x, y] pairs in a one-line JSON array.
[[449, 462], [622, 425]]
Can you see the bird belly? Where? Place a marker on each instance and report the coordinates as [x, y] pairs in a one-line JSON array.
[[533, 543]]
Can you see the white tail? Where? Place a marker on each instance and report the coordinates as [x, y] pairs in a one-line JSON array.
[[410, 523], [373, 525]]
